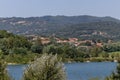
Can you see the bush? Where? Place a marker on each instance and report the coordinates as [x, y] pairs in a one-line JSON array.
[[47, 67], [3, 72], [115, 75]]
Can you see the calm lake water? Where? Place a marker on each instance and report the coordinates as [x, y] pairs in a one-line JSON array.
[[75, 71]]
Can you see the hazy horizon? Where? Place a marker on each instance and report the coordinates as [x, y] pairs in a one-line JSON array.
[[56, 15], [38, 8]]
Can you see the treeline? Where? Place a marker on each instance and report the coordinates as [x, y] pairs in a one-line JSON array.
[[14, 48], [17, 49], [83, 52]]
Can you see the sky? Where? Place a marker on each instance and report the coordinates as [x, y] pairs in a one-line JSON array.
[[37, 8]]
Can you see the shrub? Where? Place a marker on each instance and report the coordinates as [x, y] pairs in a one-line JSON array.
[[115, 75], [47, 67], [3, 72]]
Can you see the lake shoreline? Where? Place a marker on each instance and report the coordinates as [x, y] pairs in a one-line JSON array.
[[75, 71], [76, 60], [69, 62], [97, 59]]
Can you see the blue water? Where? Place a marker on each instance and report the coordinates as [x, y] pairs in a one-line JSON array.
[[75, 71], [16, 71]]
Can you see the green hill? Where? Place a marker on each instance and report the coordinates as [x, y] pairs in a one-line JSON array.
[[64, 26]]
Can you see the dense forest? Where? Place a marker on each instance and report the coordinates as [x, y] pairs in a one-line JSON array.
[[18, 49]]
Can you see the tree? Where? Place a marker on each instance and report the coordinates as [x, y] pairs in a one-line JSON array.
[[3, 72], [115, 75], [47, 67], [37, 47], [95, 51]]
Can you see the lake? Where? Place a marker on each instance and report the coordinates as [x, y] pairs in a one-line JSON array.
[[74, 71]]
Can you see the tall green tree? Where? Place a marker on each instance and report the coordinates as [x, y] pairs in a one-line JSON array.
[[37, 47]]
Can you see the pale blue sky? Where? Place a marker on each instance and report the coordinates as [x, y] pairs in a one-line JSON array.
[[28, 8]]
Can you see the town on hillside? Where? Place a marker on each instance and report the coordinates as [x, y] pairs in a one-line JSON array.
[[75, 41]]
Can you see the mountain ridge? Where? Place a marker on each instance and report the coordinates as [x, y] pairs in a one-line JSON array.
[[48, 25]]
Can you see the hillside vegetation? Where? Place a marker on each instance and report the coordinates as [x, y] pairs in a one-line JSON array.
[[64, 26]]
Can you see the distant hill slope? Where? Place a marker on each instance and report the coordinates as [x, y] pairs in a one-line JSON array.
[[64, 26], [92, 30]]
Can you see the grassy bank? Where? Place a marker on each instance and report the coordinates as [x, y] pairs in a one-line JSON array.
[[25, 59]]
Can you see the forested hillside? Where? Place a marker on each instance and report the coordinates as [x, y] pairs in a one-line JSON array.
[[99, 30], [64, 26]]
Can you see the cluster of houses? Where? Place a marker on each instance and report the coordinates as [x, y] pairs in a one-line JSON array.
[[74, 41]]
